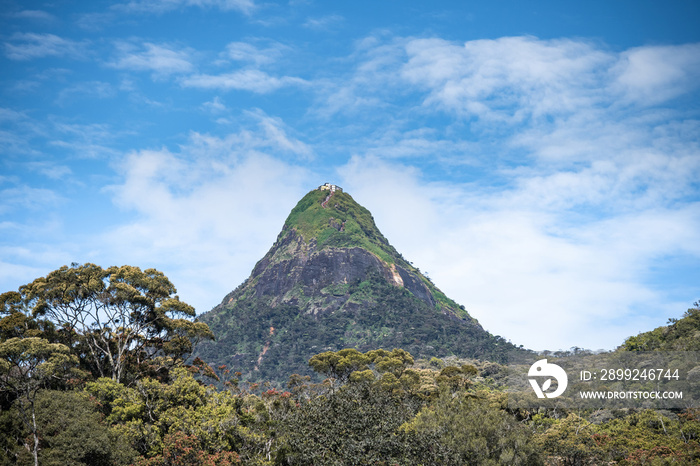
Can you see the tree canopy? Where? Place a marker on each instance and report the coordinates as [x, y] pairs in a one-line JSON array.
[[120, 321]]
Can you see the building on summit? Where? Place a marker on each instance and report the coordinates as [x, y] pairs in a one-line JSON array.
[[330, 187]]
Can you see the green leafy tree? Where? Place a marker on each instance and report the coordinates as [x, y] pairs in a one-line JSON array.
[[575, 441], [357, 424], [340, 364], [155, 417], [122, 321], [26, 366], [72, 432], [474, 432], [17, 321]]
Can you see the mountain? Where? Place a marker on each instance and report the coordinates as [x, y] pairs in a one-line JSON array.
[[330, 281]]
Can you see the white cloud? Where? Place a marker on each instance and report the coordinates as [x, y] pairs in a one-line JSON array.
[[324, 23], [421, 143], [247, 52], [161, 6], [507, 79], [252, 80], [208, 212], [50, 169], [162, 60], [89, 141], [370, 85], [512, 79], [27, 46], [36, 15], [651, 75], [27, 197], [91, 90], [276, 133], [526, 273], [214, 106]]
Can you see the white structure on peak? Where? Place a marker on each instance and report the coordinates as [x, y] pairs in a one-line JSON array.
[[330, 187]]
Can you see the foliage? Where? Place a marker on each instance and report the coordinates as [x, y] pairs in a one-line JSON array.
[[474, 432], [72, 432], [376, 406], [358, 425], [27, 365], [680, 335], [342, 364], [629, 438], [121, 321], [155, 416], [181, 449]]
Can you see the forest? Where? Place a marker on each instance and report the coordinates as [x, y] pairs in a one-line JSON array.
[[96, 369]]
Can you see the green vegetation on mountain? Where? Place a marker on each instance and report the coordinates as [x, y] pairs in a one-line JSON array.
[[342, 223], [376, 315], [679, 335]]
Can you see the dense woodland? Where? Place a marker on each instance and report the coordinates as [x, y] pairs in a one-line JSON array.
[[95, 369]]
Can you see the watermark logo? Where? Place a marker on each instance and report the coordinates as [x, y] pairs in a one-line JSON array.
[[542, 368]]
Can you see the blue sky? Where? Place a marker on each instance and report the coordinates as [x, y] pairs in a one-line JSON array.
[[539, 160]]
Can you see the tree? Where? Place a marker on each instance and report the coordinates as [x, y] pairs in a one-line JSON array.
[[18, 322], [72, 431], [340, 365], [358, 424], [184, 450], [27, 365], [474, 432], [164, 420], [122, 321]]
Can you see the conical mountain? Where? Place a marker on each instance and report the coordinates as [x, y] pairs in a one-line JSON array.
[[333, 281]]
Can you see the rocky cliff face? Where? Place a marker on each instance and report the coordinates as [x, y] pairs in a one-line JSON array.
[[307, 275], [330, 281]]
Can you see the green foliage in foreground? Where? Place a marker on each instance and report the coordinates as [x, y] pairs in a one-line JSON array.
[[82, 322], [376, 408]]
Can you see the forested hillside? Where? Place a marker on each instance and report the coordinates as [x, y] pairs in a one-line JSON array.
[[679, 335]]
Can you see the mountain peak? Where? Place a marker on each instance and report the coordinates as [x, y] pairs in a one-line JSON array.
[[330, 281], [330, 217]]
